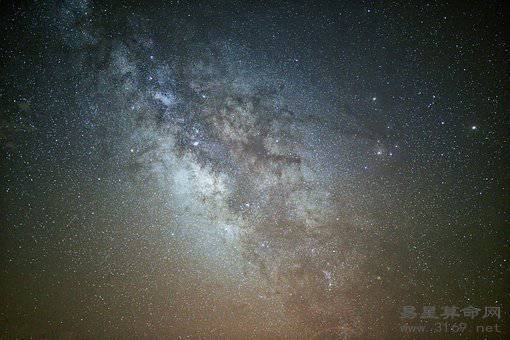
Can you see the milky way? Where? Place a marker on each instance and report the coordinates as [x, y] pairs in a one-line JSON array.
[[240, 171], [260, 188]]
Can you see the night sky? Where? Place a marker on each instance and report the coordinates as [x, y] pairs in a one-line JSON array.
[[240, 170]]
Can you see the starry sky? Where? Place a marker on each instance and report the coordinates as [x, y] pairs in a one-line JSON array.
[[203, 169]]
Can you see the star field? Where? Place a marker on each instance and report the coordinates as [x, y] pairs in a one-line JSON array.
[[235, 170]]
